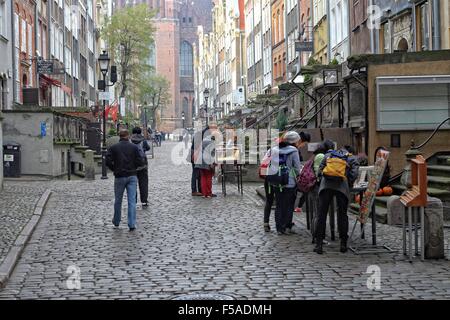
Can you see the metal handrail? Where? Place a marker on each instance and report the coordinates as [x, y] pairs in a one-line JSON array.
[[313, 107], [275, 108], [431, 136]]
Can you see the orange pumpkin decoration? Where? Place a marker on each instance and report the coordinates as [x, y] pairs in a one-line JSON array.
[[380, 193], [387, 191]]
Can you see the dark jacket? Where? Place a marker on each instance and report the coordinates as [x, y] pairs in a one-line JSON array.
[[138, 138], [123, 159], [342, 186], [208, 155]]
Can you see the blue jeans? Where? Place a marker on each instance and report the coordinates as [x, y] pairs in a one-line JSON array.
[[120, 184]]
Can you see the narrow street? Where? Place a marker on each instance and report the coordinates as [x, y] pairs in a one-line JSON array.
[[185, 245]]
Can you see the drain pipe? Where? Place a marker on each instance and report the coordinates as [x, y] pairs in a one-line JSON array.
[[436, 26], [372, 37]]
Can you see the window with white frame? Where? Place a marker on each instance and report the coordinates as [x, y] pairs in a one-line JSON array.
[[39, 39], [412, 103], [24, 36], [3, 18], [30, 41], [44, 43]]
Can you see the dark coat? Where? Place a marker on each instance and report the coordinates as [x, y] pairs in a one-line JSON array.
[[138, 138], [123, 159]]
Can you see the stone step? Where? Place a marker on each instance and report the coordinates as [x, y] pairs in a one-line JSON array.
[[433, 192], [439, 182], [81, 148], [381, 201], [439, 170], [444, 160]]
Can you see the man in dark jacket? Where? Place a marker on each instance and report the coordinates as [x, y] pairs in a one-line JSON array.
[[123, 159], [329, 188], [142, 173]]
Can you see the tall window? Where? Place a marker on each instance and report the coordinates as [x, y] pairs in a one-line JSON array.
[[3, 17], [186, 58]]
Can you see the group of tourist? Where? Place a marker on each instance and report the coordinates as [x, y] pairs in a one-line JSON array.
[[331, 175]]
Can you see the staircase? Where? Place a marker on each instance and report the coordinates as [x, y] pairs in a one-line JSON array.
[[438, 187], [78, 156]]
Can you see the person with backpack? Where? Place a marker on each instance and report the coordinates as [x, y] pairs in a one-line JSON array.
[[142, 172], [123, 159], [269, 193], [282, 177], [305, 138], [337, 172]]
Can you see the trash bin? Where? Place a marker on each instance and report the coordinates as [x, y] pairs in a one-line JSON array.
[[11, 159]]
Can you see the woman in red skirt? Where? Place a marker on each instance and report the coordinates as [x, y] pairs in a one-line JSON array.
[[207, 167]]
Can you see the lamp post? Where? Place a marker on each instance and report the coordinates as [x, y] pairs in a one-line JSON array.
[[103, 62], [206, 96], [182, 118], [145, 108]]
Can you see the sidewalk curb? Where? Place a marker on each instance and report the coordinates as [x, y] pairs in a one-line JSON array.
[[10, 261]]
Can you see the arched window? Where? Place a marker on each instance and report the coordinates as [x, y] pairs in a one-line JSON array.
[[186, 58]]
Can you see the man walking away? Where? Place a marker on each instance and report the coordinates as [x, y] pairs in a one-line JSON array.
[[142, 173], [123, 159], [337, 173]]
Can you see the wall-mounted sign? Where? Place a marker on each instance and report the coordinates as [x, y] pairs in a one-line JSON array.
[[8, 158], [45, 66], [104, 95], [304, 46]]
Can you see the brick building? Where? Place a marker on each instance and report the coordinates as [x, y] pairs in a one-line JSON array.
[[176, 25], [23, 42], [278, 43]]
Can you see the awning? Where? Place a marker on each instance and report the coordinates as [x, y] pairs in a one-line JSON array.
[[49, 81], [53, 82]]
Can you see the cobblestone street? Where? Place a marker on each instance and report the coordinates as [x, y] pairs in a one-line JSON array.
[[184, 245]]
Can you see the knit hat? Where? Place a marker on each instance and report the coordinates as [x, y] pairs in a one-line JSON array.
[[291, 137]]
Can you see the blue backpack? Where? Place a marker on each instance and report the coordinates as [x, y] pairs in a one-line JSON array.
[[281, 178]]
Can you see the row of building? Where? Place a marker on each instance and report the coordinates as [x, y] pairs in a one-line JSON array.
[[256, 46], [49, 51]]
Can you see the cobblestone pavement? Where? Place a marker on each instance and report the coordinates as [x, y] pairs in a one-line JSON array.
[[17, 202], [185, 245]]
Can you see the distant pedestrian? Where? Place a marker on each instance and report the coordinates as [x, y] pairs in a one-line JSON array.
[[194, 157], [142, 173], [124, 159], [207, 166]]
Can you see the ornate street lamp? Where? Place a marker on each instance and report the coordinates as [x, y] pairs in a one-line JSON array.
[[182, 118], [206, 96], [103, 62]]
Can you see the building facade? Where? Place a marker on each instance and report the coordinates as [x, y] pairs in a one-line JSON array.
[[267, 45], [292, 34], [6, 69], [278, 44], [305, 29], [320, 31], [176, 24], [339, 30]]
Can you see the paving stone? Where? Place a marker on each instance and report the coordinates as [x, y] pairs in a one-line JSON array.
[[185, 244]]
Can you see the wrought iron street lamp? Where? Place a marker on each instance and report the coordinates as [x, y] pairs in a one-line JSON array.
[[103, 62], [182, 118], [206, 96]]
